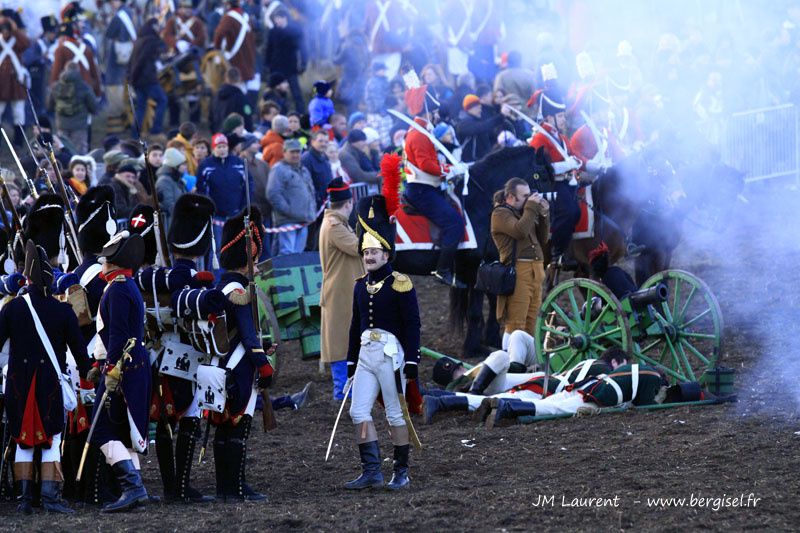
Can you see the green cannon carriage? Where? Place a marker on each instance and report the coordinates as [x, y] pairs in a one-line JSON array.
[[288, 289], [673, 322]]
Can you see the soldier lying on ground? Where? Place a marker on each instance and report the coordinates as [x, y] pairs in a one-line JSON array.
[[527, 386]]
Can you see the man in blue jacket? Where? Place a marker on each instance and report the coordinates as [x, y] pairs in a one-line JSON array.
[[221, 177]]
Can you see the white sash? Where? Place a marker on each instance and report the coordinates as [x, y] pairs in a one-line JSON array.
[[78, 53], [244, 27], [7, 51], [381, 20], [127, 22], [67, 390], [185, 28]]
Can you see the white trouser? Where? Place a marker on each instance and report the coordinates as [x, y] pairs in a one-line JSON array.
[[17, 110], [522, 348], [51, 455], [375, 373], [115, 451], [562, 403]]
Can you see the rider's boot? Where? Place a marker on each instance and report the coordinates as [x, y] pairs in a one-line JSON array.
[[444, 269]]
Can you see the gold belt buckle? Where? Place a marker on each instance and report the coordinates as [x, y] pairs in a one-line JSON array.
[[374, 336]]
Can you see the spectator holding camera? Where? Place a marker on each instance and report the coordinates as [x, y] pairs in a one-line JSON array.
[[520, 226]]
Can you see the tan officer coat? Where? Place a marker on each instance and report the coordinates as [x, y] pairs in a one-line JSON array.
[[341, 265]]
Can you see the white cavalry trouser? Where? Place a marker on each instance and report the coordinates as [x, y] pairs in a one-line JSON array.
[[49, 455], [562, 403], [521, 349], [377, 361]]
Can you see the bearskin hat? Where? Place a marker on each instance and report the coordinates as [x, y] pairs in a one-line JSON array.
[[141, 222], [190, 230], [375, 229], [232, 254], [96, 218], [45, 223], [125, 250]]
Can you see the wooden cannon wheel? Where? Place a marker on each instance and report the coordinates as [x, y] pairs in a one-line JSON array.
[[686, 337], [570, 331]]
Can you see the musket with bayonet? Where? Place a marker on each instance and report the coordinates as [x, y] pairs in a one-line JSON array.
[[21, 169], [42, 170], [69, 216], [267, 413], [162, 257]]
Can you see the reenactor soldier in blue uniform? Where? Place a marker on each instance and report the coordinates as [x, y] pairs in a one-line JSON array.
[[248, 366], [96, 224], [121, 430], [40, 330], [384, 346], [190, 237]]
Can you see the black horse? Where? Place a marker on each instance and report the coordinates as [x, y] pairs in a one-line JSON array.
[[485, 178]]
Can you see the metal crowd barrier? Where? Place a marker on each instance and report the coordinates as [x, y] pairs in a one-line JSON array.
[[764, 143]]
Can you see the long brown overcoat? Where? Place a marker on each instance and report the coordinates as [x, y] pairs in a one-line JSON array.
[[341, 265]]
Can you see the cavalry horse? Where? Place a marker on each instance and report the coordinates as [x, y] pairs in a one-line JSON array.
[[485, 178], [635, 206]]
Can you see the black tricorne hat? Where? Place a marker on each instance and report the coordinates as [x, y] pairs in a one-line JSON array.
[[190, 230], [141, 222], [444, 369], [37, 267], [232, 253], [375, 228], [125, 250], [338, 190], [96, 218], [45, 223]]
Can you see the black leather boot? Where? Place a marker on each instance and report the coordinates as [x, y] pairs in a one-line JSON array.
[[444, 269], [166, 460], [371, 476], [23, 474], [221, 462], [133, 491], [485, 377], [400, 474], [238, 489], [436, 404], [184, 457], [52, 478], [517, 368]]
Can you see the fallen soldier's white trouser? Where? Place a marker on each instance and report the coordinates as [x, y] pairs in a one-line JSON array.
[[562, 403]]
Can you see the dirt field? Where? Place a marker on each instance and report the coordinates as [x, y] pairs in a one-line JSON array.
[[468, 478]]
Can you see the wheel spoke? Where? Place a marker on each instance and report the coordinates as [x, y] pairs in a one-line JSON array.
[[575, 311], [663, 353], [667, 313], [695, 319], [587, 314], [686, 303], [695, 351], [597, 320], [676, 298], [560, 312], [685, 359], [607, 333], [568, 362], [709, 336], [651, 345], [675, 359], [599, 347], [666, 370]]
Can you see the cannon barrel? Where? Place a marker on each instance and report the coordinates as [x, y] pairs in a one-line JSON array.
[[653, 295]]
